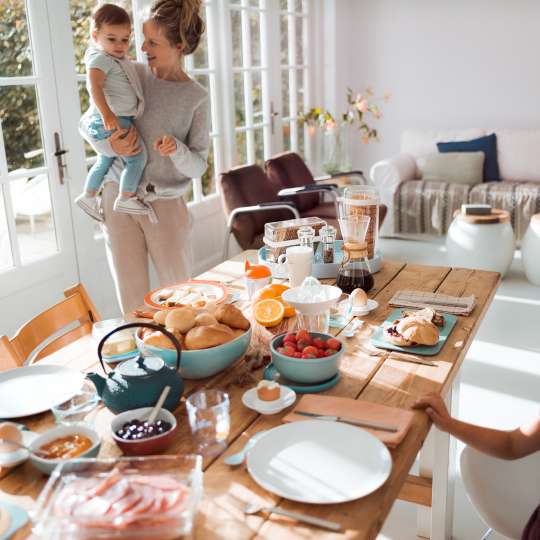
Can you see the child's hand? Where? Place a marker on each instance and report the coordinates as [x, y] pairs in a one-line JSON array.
[[435, 409], [166, 145], [111, 122]]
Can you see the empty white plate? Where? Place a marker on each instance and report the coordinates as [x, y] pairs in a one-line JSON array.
[[35, 389], [319, 462]]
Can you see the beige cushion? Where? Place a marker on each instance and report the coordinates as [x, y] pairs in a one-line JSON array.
[[453, 167]]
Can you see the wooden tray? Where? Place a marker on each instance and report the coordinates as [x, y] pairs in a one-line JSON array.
[[378, 339]]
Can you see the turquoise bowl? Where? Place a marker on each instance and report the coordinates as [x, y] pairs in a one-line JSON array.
[[305, 370], [202, 363]]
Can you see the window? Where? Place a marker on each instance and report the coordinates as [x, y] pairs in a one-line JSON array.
[[294, 70]]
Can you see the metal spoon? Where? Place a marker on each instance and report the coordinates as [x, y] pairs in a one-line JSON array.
[[8, 442], [238, 458], [324, 523]]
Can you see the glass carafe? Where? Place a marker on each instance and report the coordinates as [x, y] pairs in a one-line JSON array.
[[354, 272]]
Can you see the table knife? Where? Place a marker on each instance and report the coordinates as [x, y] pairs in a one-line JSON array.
[[354, 421]]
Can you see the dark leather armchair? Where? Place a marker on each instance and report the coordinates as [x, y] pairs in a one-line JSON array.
[[289, 174]]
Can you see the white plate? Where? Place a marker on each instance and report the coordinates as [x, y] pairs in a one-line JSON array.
[[319, 462], [17, 457], [286, 399], [35, 389]]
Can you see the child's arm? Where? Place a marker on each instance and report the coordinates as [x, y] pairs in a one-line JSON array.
[[96, 80], [502, 444]]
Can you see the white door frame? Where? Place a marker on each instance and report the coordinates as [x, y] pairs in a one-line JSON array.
[[61, 266]]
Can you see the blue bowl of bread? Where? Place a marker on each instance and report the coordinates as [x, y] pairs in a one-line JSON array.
[[211, 340]]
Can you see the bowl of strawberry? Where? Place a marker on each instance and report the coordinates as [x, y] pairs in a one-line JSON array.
[[306, 357]]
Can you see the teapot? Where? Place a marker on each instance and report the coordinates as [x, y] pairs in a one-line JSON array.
[[138, 382]]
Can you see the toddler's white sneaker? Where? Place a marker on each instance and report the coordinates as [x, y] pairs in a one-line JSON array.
[[130, 205], [90, 206]]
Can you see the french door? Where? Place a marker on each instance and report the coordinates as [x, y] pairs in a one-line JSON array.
[[37, 247]]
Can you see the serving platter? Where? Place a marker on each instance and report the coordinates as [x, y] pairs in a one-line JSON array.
[[195, 293], [35, 389], [319, 462]]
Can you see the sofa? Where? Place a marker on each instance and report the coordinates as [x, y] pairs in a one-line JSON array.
[[418, 207]]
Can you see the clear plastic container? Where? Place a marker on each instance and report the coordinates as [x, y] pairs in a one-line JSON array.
[[52, 521]]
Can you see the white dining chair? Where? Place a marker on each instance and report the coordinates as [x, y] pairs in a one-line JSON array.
[[504, 493]]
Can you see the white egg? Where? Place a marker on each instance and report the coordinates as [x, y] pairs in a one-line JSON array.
[[358, 298], [9, 432]]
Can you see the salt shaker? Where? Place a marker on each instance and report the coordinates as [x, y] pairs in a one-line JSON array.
[[306, 235]]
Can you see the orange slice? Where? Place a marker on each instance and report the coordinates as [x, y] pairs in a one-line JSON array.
[[289, 310], [269, 312]]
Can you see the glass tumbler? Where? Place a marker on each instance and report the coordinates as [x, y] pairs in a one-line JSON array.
[[79, 408], [319, 322], [209, 419]]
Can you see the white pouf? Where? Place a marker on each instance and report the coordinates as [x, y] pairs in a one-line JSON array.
[[481, 242], [530, 251]]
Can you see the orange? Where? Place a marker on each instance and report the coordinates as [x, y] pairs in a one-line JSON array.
[[264, 294], [279, 288], [256, 271], [289, 310], [269, 312]]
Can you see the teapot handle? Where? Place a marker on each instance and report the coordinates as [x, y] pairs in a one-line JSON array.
[[175, 342]]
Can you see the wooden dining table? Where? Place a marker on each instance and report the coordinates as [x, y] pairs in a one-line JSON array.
[[363, 377]]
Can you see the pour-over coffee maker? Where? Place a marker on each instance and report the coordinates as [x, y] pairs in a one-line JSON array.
[[355, 270]]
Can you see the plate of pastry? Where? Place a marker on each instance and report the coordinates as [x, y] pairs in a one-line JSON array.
[[414, 331], [195, 293]]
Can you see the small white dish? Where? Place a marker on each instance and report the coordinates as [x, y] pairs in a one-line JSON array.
[[286, 399], [370, 306], [12, 459], [47, 466]]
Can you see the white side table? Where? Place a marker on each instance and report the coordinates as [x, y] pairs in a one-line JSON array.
[[481, 242], [530, 250]]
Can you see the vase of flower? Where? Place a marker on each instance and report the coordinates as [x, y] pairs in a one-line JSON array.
[[337, 157]]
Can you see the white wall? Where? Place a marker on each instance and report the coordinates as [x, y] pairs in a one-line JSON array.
[[447, 63]]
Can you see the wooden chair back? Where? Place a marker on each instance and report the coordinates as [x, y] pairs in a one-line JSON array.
[[75, 315]]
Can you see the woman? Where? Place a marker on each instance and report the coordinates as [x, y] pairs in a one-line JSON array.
[[174, 128]]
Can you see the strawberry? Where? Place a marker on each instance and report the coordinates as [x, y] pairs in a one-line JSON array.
[[310, 349], [289, 338], [307, 356], [319, 343], [333, 343], [297, 354], [303, 335], [301, 344], [321, 353], [329, 352]]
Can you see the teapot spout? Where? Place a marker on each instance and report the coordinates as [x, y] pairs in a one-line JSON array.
[[99, 382]]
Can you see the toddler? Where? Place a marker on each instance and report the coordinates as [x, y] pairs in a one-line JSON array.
[[515, 444], [115, 100]]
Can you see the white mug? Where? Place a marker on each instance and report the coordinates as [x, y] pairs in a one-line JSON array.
[[299, 260]]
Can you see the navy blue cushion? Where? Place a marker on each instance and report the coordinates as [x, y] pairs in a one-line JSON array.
[[487, 144]]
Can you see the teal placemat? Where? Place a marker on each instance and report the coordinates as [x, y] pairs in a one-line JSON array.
[[379, 340]]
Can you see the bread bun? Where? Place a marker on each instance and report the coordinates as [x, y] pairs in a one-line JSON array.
[[205, 319], [418, 330], [181, 319], [160, 316], [178, 335], [205, 337], [157, 339], [237, 332], [231, 316]]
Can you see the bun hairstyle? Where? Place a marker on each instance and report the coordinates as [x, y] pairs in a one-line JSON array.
[[180, 21], [109, 14]]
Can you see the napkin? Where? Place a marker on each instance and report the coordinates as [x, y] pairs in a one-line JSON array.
[[440, 302], [359, 410]]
